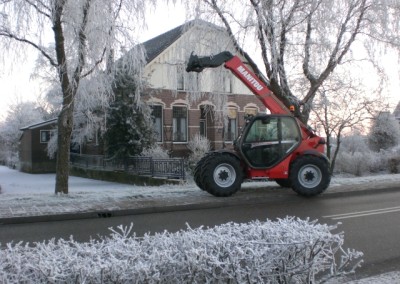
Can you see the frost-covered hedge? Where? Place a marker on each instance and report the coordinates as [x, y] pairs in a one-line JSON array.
[[286, 251], [362, 163]]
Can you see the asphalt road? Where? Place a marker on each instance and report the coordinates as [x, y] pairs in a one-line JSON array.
[[369, 220]]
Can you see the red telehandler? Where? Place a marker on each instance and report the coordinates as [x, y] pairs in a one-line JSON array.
[[277, 146]]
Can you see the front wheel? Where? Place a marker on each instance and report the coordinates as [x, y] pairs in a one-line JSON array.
[[309, 175], [222, 175]]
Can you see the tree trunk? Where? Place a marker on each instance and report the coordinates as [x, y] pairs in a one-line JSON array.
[[65, 118], [65, 126]]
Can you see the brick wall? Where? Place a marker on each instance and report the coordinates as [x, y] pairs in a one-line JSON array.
[[169, 98]]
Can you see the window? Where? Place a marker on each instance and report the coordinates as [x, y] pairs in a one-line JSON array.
[[179, 123], [251, 111], [263, 130], [180, 77], [203, 121], [231, 127], [45, 136], [222, 81], [270, 139], [227, 82], [157, 120]]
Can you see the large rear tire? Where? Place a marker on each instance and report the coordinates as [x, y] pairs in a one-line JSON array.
[[309, 175], [197, 173], [221, 174]]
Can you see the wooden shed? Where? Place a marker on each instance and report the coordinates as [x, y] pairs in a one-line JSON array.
[[33, 148]]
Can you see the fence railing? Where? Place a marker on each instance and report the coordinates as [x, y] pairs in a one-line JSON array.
[[148, 166]]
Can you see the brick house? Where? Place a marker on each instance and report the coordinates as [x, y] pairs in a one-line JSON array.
[[212, 103]]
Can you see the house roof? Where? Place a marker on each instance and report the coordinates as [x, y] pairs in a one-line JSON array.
[[40, 124], [158, 44], [155, 46]]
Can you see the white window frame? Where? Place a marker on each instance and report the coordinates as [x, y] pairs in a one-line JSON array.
[[175, 124], [45, 141], [161, 134], [228, 127]]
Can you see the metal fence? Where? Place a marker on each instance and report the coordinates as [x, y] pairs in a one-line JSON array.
[[138, 165]]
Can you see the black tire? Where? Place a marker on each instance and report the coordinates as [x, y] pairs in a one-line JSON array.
[[197, 175], [221, 174], [309, 175], [284, 182]]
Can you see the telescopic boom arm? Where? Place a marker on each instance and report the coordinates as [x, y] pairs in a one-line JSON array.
[[240, 70]]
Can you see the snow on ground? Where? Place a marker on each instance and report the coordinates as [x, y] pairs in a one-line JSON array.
[[386, 278], [13, 183]]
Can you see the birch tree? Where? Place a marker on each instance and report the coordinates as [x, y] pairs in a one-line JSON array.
[[73, 38], [302, 42]]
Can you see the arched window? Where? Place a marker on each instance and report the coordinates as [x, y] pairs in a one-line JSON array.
[[231, 126], [179, 123], [157, 114], [251, 111]]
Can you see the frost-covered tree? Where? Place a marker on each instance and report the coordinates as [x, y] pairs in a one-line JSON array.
[[129, 130], [385, 132], [129, 126], [302, 42], [19, 115], [73, 39]]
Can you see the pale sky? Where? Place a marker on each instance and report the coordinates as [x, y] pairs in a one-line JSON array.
[[17, 86]]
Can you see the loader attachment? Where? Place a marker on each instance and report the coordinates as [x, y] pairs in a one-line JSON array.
[[197, 64]]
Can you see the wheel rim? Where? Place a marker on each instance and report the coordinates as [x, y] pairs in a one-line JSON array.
[[224, 175], [310, 176]]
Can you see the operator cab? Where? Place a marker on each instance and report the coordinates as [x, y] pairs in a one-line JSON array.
[[268, 139]]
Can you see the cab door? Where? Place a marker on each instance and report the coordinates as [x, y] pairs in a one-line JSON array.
[[269, 139]]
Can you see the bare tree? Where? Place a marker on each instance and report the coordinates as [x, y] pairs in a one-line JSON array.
[[342, 107], [74, 38], [302, 42]]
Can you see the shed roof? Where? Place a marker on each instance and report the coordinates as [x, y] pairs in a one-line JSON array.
[[40, 124]]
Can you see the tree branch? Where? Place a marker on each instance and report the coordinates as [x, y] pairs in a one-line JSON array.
[[214, 6], [336, 55], [82, 42], [39, 10], [29, 42]]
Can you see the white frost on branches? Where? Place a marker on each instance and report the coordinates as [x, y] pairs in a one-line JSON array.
[[285, 251]]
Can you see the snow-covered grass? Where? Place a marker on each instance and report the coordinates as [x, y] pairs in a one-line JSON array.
[[14, 183], [37, 190], [285, 251]]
